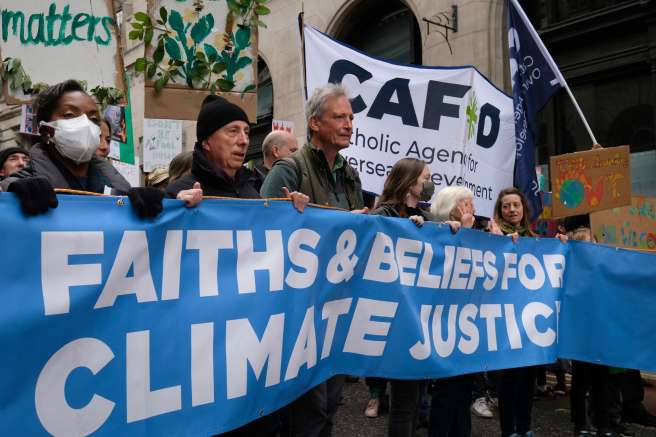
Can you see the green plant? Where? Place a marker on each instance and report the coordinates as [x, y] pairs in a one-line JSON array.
[[107, 96], [249, 11], [15, 75], [198, 64]]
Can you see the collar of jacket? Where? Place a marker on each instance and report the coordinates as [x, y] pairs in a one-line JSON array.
[[319, 157], [210, 174]]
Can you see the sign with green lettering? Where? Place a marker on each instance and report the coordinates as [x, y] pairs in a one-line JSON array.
[[54, 41]]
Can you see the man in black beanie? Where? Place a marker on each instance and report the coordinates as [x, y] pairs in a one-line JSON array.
[[221, 142], [13, 159], [217, 170]]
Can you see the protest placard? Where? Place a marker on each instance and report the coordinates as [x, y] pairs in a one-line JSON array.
[[453, 118], [28, 120], [546, 225], [56, 40], [592, 180], [130, 172], [633, 227], [211, 50], [285, 125], [162, 140]]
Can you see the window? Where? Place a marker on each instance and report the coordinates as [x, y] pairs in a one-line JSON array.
[[264, 111], [385, 30]]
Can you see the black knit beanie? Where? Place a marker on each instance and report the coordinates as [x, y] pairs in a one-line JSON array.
[[6, 153], [215, 113]]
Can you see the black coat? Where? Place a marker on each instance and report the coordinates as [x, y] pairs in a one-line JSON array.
[[47, 163], [214, 181]]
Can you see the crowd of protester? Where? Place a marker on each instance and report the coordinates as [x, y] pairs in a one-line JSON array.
[[72, 154]]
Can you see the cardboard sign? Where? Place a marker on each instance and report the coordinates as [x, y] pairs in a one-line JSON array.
[[285, 125], [130, 172], [28, 120], [632, 227], [121, 147], [162, 141], [593, 180], [57, 40], [546, 225], [228, 47]]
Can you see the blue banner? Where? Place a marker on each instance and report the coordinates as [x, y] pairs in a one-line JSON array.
[[535, 78], [204, 319]]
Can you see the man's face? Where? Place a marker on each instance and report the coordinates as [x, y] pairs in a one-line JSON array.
[[227, 146], [335, 127], [285, 147], [15, 162]]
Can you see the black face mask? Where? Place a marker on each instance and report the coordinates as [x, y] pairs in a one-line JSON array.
[[427, 191]]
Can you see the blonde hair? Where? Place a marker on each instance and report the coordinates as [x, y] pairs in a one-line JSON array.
[[447, 199], [581, 234]]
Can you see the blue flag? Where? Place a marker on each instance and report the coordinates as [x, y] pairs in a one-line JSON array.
[[535, 78]]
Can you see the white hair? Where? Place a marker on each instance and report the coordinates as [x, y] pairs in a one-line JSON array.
[[447, 199]]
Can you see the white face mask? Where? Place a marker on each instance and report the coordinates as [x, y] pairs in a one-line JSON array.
[[76, 138]]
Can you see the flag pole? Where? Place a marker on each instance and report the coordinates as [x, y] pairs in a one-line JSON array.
[[554, 67], [578, 109], [301, 28]]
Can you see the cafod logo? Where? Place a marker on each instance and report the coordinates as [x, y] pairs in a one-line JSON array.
[[472, 118]]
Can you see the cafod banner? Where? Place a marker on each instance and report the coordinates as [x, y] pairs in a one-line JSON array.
[[451, 117], [206, 318]]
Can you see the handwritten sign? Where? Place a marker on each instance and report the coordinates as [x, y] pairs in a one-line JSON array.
[[162, 141], [588, 181], [285, 125], [129, 171], [633, 226], [56, 41], [546, 225]]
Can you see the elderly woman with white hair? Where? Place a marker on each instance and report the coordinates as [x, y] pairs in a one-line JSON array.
[[455, 206], [451, 397]]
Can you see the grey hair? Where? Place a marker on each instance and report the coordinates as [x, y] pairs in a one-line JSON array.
[[316, 104], [275, 137], [447, 199]]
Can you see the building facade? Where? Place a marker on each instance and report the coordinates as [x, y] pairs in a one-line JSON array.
[[606, 50]]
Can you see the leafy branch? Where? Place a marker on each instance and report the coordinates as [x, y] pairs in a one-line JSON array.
[[248, 11], [16, 76], [107, 96]]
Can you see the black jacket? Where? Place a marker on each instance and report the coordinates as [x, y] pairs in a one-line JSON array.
[[388, 210], [47, 163], [214, 181]]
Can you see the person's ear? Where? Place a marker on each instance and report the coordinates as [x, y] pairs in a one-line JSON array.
[[275, 151], [205, 145], [313, 124]]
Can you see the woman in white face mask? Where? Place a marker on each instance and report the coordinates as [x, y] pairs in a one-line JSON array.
[[68, 120]]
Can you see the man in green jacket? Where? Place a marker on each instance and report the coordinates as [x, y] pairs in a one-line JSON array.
[[319, 171]]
